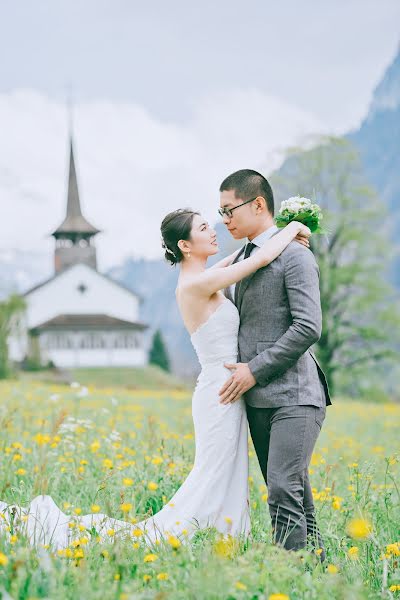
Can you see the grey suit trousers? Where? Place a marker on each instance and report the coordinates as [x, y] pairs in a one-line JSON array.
[[284, 439]]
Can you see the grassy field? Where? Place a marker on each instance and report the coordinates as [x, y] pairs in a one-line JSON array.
[[149, 377], [127, 451]]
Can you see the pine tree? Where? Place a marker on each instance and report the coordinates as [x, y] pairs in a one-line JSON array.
[[158, 353]]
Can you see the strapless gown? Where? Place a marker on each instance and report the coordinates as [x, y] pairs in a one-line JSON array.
[[215, 493]]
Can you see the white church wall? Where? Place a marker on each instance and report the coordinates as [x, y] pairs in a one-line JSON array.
[[62, 296], [96, 358], [93, 348]]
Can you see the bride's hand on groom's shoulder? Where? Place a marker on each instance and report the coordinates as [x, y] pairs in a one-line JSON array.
[[239, 383], [303, 237]]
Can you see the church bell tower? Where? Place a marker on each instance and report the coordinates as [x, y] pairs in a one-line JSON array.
[[74, 237]]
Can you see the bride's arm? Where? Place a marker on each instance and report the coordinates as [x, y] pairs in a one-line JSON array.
[[225, 262], [213, 280]]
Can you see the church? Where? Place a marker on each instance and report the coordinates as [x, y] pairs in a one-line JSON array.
[[79, 317]]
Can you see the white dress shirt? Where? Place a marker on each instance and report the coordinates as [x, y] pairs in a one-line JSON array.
[[259, 240]]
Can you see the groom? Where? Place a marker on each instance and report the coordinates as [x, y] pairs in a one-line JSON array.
[[285, 390]]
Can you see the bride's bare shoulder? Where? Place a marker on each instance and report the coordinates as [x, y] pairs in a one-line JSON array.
[[191, 286]]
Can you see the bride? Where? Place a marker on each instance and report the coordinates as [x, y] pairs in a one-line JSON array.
[[215, 493]]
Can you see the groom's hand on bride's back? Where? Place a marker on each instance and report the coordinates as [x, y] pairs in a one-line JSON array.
[[239, 383]]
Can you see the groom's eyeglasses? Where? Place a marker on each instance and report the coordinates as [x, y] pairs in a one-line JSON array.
[[227, 212]]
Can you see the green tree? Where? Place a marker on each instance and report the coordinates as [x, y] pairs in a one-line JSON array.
[[158, 353], [359, 306], [11, 310]]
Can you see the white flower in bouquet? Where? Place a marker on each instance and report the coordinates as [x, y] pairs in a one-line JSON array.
[[300, 209], [295, 204]]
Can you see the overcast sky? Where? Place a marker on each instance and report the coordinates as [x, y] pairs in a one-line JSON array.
[[169, 98]]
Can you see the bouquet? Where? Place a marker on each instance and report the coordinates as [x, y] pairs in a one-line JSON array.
[[300, 209]]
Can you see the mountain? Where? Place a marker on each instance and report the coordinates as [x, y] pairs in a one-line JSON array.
[[21, 269], [378, 141]]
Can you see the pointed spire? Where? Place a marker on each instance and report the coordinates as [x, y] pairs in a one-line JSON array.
[[74, 222]]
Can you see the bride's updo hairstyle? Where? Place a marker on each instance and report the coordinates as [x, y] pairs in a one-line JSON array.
[[176, 226]]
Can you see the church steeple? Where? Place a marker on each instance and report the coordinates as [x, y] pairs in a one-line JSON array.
[[74, 237]]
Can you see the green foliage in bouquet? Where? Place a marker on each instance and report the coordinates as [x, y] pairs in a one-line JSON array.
[[303, 210]]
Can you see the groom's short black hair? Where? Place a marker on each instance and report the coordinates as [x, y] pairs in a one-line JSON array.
[[247, 184]]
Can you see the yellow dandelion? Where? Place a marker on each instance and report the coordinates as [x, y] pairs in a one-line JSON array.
[[3, 559], [146, 578], [20, 472], [107, 463], [110, 532], [41, 439], [152, 486], [150, 558], [174, 542], [359, 529], [225, 547], [127, 481], [240, 586], [332, 569], [77, 511], [353, 553], [126, 507], [337, 502], [95, 508], [137, 533], [94, 446], [162, 576], [393, 549], [278, 597]]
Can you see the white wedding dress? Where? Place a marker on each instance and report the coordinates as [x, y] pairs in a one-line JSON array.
[[215, 493]]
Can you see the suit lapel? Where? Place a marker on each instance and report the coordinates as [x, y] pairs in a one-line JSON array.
[[245, 283], [242, 288]]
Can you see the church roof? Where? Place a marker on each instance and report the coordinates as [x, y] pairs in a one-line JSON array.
[[114, 281], [87, 321], [74, 222]]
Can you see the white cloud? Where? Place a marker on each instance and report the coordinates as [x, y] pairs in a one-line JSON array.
[[132, 167]]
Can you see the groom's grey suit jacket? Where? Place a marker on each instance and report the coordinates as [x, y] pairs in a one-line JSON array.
[[280, 319]]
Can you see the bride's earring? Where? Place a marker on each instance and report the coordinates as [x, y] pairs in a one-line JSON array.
[[188, 254]]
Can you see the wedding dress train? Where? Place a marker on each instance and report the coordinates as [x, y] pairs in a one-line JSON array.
[[215, 493]]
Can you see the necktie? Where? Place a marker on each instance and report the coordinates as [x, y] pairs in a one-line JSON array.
[[247, 252], [249, 248]]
